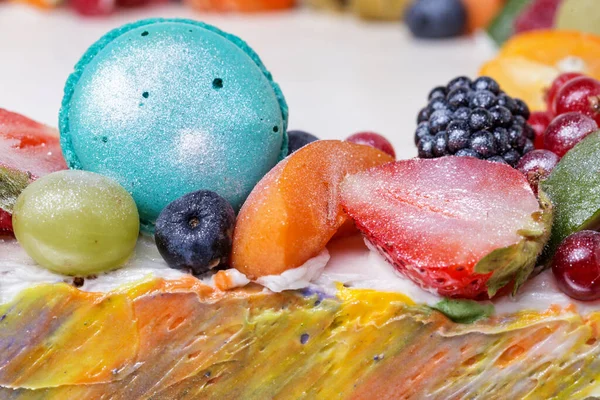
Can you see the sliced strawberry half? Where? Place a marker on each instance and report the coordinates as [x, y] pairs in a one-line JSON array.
[[28, 150], [459, 226]]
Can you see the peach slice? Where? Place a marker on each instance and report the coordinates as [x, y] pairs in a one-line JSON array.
[[295, 209]]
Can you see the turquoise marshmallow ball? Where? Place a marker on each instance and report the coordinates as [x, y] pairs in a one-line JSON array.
[[169, 106]]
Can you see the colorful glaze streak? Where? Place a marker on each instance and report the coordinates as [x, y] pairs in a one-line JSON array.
[[182, 340]]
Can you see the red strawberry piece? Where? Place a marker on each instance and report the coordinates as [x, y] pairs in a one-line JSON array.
[[28, 150], [459, 226], [537, 15]]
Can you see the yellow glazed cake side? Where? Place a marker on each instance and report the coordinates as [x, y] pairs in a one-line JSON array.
[[180, 339]]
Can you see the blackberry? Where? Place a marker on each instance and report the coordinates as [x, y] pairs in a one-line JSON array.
[[475, 119]]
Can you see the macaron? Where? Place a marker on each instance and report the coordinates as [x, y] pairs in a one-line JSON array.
[[171, 106]]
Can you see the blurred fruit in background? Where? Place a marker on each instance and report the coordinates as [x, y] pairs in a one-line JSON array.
[[580, 15]]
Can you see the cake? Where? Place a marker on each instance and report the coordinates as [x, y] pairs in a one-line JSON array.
[[347, 275]]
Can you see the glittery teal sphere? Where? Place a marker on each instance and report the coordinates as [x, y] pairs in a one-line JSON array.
[[168, 107]]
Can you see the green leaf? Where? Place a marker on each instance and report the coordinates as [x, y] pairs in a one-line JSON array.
[[464, 311], [517, 262], [502, 27], [12, 183]]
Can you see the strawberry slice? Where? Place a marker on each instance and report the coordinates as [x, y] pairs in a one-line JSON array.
[[459, 226], [28, 150]]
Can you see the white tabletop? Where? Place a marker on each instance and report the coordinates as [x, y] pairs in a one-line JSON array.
[[339, 75]]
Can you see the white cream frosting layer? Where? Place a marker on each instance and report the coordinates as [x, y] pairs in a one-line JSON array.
[[348, 261]]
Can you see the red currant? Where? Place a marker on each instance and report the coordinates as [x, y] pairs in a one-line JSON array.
[[93, 7], [539, 121], [537, 165], [576, 265], [580, 94], [5, 223], [374, 140], [566, 130], [557, 84]]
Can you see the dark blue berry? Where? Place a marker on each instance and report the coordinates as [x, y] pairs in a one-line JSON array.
[[458, 135], [480, 119], [506, 101], [483, 143], [486, 83], [502, 140], [462, 113], [459, 97], [439, 103], [521, 109], [528, 147], [516, 137], [497, 159], [422, 131], [501, 116], [425, 147], [519, 120], [467, 153], [299, 139], [439, 120], [440, 143], [483, 99], [436, 92], [194, 233], [461, 81], [512, 157], [424, 115], [528, 132], [436, 18]]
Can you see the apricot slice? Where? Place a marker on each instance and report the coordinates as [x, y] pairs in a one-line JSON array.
[[295, 209], [528, 63]]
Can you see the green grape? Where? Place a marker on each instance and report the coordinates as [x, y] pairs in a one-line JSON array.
[[579, 15], [76, 223]]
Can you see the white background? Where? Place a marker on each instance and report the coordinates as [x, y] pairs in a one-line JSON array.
[[339, 75]]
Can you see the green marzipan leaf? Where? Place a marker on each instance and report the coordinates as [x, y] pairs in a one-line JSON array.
[[12, 183], [464, 311], [516, 262], [501, 28]]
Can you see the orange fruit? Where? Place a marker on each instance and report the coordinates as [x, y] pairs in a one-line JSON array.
[[528, 63], [295, 209], [481, 12]]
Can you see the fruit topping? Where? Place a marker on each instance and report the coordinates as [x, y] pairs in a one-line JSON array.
[[298, 139], [76, 223], [474, 119], [537, 165], [436, 18], [294, 210], [574, 189], [194, 233], [481, 12], [539, 121], [566, 130], [579, 95], [557, 84], [578, 15], [92, 8], [527, 64], [459, 226], [537, 15], [374, 140], [576, 265], [27, 150]]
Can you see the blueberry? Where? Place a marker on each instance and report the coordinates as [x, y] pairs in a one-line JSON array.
[[528, 147], [502, 140], [506, 101], [422, 131], [440, 141], [299, 139], [517, 140], [458, 135], [528, 131], [483, 99], [467, 153], [501, 116], [439, 103], [479, 119], [519, 120], [461, 81], [486, 83], [521, 109], [512, 157], [436, 92], [425, 147], [483, 143], [497, 159], [459, 97], [439, 120], [194, 233], [436, 18], [462, 113], [424, 115]]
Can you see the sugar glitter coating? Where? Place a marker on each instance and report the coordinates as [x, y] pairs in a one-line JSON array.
[[167, 107]]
